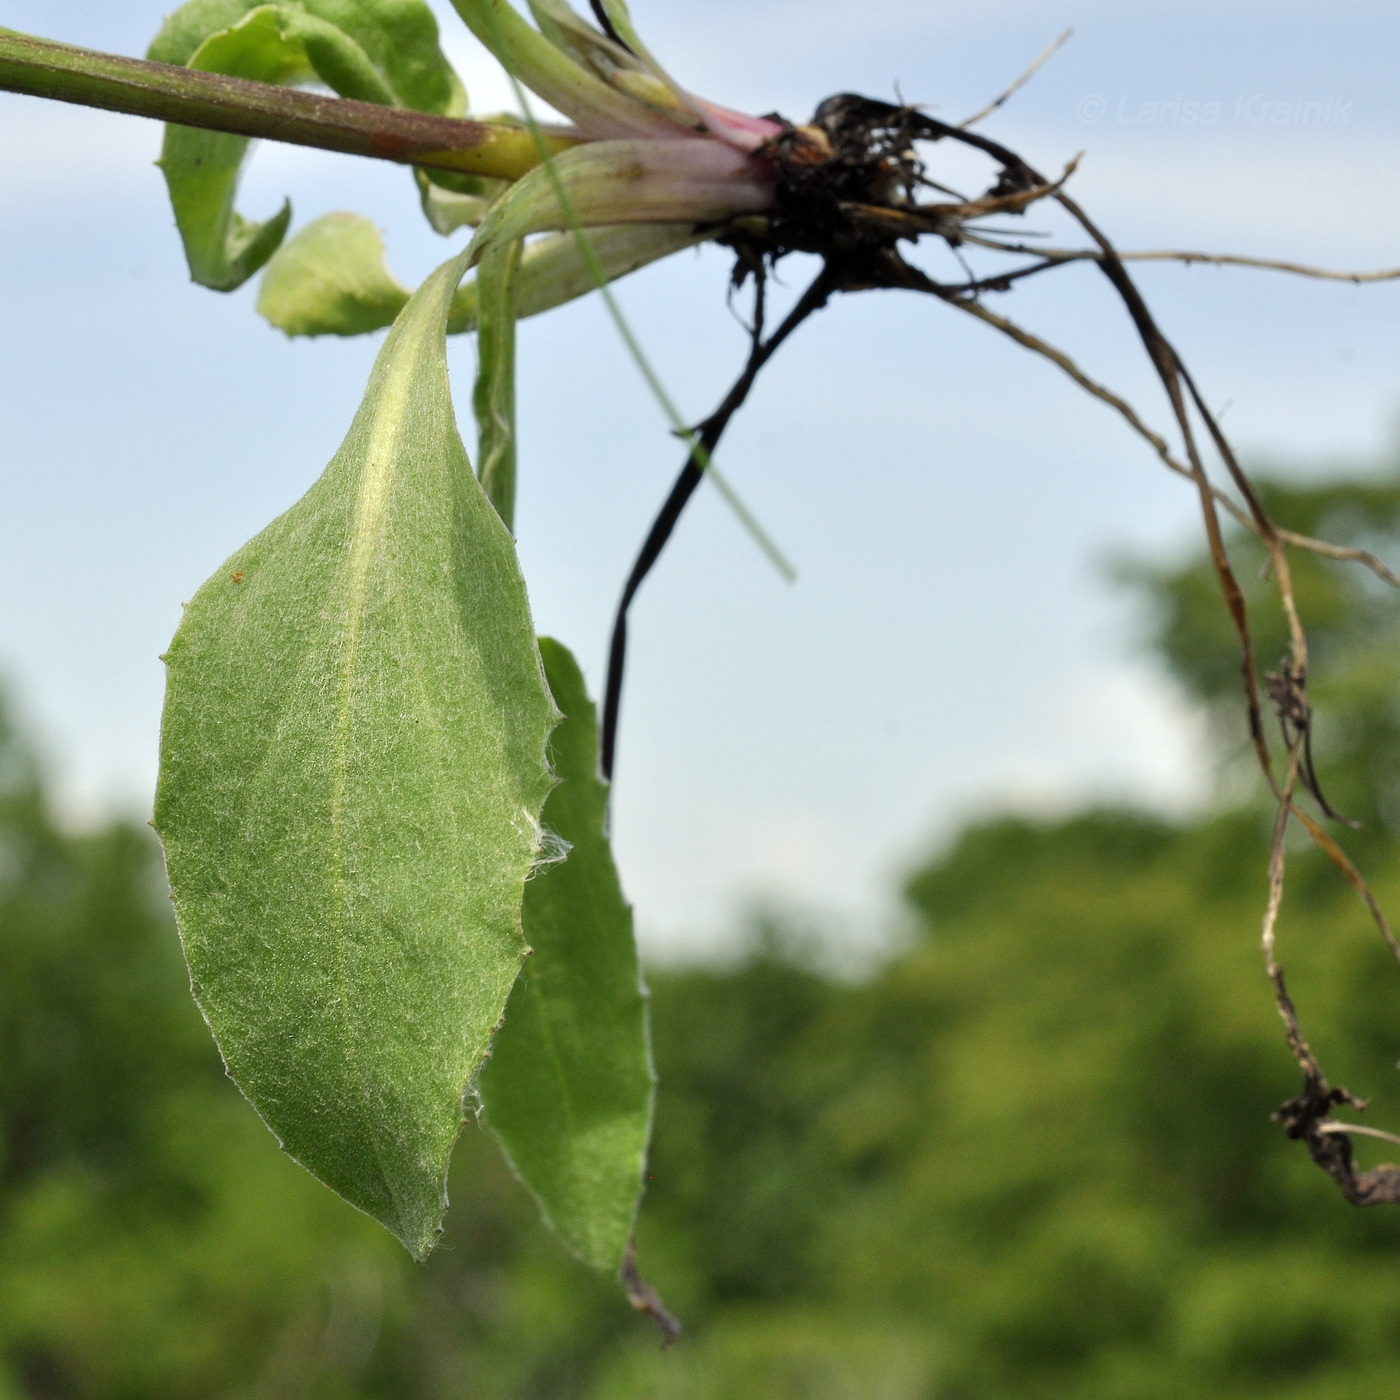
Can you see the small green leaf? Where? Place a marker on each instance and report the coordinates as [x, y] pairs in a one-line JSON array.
[[352, 772], [494, 395], [189, 26], [633, 72], [202, 168], [451, 201], [568, 1087], [552, 74], [284, 44], [382, 51], [331, 280], [400, 38]]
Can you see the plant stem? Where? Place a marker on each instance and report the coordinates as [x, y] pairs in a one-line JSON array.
[[188, 97]]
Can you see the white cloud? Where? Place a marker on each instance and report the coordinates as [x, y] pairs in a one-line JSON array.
[[1111, 732], [1101, 732]]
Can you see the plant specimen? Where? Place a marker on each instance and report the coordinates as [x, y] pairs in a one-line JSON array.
[[383, 799]]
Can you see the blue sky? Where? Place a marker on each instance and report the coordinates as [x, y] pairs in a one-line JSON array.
[[950, 645]]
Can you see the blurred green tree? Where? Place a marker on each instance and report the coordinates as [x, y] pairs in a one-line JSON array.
[[1353, 625]]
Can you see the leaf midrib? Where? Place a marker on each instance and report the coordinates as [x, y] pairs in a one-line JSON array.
[[371, 498]]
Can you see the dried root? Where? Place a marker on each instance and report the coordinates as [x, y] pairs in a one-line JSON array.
[[853, 189]]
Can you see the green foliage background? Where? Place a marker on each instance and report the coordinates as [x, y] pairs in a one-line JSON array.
[[1029, 1157]]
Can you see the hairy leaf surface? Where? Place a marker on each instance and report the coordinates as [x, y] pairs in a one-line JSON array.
[[353, 765], [568, 1088]]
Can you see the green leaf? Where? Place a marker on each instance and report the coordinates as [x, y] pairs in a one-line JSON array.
[[634, 73], [451, 201], [568, 1088], [331, 280], [284, 44], [352, 771], [382, 51], [554, 271], [621, 20], [400, 38], [568, 87], [189, 26], [202, 168], [494, 395]]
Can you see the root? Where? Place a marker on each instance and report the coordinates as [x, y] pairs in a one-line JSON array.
[[852, 187]]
